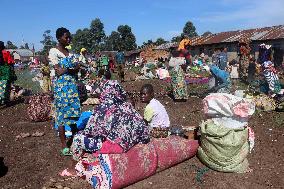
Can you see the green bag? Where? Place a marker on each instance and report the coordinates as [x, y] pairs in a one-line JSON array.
[[223, 149]]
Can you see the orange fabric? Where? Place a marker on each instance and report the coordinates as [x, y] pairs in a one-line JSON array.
[[184, 43]]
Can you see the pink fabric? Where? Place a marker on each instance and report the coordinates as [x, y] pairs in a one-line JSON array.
[[110, 148], [138, 163], [146, 160], [173, 150]]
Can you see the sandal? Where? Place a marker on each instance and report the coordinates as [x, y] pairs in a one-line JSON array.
[[66, 173], [66, 152]]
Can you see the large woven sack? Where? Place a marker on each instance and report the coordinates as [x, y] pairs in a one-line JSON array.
[[39, 108]]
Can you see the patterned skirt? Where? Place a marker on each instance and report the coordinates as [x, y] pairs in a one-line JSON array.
[[66, 101], [178, 84], [5, 88]]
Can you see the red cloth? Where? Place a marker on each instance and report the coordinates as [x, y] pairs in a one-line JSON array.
[[142, 161], [7, 57], [109, 147], [173, 150], [137, 164], [185, 53]]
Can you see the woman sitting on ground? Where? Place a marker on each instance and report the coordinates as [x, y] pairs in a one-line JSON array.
[[114, 123]]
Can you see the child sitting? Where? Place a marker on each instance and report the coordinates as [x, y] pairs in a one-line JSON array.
[[155, 114]]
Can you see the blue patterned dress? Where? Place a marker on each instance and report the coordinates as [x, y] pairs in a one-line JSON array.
[[66, 96]]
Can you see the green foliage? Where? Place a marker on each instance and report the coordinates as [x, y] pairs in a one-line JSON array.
[[160, 41], [128, 40], [145, 44], [90, 38], [176, 39], [10, 45], [81, 39], [189, 30], [47, 42], [113, 42], [97, 34], [27, 46]]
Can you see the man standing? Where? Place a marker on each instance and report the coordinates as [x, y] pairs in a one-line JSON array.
[[223, 59]]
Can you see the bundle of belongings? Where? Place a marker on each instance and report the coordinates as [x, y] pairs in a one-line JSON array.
[[145, 73], [111, 168], [40, 107], [226, 138]]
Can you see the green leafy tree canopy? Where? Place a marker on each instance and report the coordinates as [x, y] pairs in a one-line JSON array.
[[189, 30], [47, 42], [10, 45]]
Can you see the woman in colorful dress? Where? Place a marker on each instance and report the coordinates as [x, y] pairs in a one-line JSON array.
[[45, 70], [113, 126], [176, 65], [66, 97], [7, 74]]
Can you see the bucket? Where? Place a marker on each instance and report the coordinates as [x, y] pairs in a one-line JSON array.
[[190, 132]]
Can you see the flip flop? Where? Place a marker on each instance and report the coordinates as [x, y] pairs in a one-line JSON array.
[[66, 173], [66, 152]]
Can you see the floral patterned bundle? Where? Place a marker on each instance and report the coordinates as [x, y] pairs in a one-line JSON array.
[[39, 108]]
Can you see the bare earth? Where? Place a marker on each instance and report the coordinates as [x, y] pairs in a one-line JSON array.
[[34, 162]]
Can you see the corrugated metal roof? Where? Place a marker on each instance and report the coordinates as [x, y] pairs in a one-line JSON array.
[[166, 46], [21, 52], [267, 33]]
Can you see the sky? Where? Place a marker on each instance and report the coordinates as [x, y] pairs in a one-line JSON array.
[[26, 20]]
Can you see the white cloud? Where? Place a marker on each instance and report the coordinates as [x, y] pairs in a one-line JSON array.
[[253, 13]]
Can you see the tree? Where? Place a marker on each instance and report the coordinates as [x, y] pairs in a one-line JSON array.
[[47, 42], [176, 39], [146, 43], [27, 46], [128, 39], [97, 34], [10, 45], [160, 41], [113, 42], [189, 30], [206, 33], [82, 39]]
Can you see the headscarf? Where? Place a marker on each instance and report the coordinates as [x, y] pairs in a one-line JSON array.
[[111, 92], [184, 43], [82, 50]]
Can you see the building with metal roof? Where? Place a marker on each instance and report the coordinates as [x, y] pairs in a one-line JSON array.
[[21, 55], [269, 35]]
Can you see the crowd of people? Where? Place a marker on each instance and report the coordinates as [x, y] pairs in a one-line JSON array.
[[114, 123]]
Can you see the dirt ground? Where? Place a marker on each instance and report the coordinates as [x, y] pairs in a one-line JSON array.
[[34, 162]]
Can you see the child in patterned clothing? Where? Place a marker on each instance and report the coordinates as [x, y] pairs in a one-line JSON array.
[[155, 114]]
